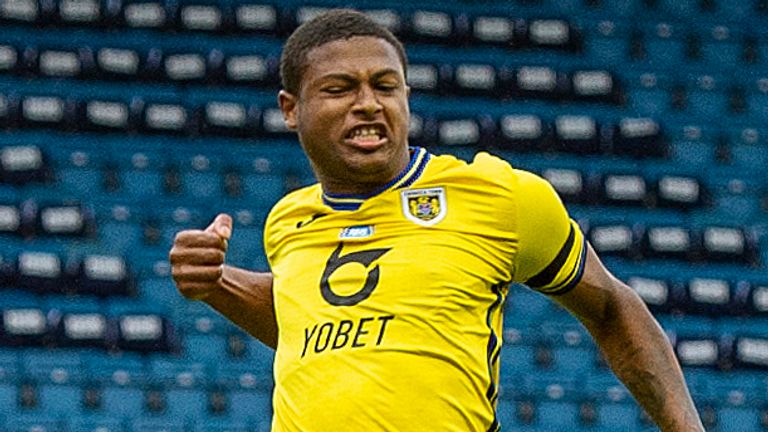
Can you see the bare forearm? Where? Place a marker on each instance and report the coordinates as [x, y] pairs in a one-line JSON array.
[[640, 354], [246, 299]]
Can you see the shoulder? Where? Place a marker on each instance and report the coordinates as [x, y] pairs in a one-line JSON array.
[[292, 208], [482, 166], [490, 171]]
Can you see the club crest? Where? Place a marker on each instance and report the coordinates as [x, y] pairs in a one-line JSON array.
[[424, 206]]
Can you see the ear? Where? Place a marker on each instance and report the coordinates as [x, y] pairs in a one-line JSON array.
[[288, 104]]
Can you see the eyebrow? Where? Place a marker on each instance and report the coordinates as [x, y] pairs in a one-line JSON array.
[[348, 77]]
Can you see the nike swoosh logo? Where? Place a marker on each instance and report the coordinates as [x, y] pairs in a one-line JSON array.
[[314, 217]]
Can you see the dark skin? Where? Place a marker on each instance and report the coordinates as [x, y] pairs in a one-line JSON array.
[[350, 84], [361, 81]]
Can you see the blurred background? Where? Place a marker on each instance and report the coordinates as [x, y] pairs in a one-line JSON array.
[[125, 121]]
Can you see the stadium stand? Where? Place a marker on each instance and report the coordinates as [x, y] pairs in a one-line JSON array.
[[125, 121]]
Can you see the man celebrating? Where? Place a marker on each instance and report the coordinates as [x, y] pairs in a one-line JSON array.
[[388, 276]]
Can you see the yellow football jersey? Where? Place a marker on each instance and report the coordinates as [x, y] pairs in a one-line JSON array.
[[389, 305]]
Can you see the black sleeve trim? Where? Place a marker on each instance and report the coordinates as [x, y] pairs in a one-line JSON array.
[[546, 276]]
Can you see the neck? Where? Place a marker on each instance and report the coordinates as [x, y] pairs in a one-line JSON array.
[[362, 184]]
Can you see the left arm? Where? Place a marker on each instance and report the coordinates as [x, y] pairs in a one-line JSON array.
[[634, 345], [551, 247]]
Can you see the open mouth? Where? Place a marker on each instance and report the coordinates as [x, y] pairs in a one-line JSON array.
[[367, 134]]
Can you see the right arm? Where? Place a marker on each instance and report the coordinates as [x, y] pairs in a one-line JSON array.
[[244, 297]]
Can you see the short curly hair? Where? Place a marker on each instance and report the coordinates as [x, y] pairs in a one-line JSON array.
[[327, 27]]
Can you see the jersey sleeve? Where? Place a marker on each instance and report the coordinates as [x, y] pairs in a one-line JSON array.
[[551, 247]]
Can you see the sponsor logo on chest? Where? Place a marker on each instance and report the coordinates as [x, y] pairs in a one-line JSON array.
[[356, 232]]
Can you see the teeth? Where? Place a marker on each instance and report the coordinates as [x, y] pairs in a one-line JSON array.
[[366, 132]]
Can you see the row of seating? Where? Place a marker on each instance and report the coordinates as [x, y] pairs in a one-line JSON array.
[[264, 176], [431, 26], [460, 78], [216, 68], [517, 416], [102, 423], [246, 364], [496, 23], [713, 243], [577, 134], [32, 327], [687, 305], [599, 391]]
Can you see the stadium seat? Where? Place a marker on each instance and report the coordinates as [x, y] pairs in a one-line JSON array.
[[251, 405], [694, 153], [36, 422], [24, 326], [61, 400], [431, 26], [186, 404], [206, 348], [614, 239], [522, 132], [95, 423], [122, 401], [153, 424], [9, 395], [204, 16], [219, 425], [255, 17], [23, 164]]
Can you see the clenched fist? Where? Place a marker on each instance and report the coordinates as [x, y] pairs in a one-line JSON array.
[[197, 258]]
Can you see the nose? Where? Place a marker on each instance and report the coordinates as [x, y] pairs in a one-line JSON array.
[[367, 103]]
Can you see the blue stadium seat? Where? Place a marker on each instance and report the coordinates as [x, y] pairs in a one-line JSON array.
[[745, 419], [526, 306], [557, 414], [160, 291], [516, 360], [222, 425], [157, 424], [206, 348], [178, 371], [735, 10], [61, 400], [265, 189], [122, 401], [34, 422], [505, 413], [9, 395], [95, 423], [664, 53], [141, 183], [706, 104], [693, 153], [649, 102], [119, 237], [737, 208], [252, 405], [750, 156], [576, 360], [120, 368], [57, 365], [758, 104], [617, 416], [722, 55], [185, 403]]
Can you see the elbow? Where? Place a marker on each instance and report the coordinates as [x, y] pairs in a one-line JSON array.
[[622, 308]]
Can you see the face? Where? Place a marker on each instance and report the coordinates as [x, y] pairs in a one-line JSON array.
[[351, 114]]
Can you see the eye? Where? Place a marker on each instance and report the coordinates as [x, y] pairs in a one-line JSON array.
[[334, 90], [387, 86]]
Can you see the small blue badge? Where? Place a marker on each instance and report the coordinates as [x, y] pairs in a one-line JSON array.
[[356, 232]]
